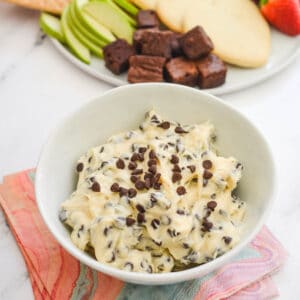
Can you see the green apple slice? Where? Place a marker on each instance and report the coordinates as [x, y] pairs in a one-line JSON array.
[[91, 24], [111, 18], [95, 48], [81, 28], [131, 20], [51, 26], [127, 6], [81, 51]]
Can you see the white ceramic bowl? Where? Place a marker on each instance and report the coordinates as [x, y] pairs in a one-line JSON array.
[[122, 109]]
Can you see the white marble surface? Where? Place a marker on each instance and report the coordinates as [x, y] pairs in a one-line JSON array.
[[38, 88]]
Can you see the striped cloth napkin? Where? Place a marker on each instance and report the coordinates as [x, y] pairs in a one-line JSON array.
[[55, 274]]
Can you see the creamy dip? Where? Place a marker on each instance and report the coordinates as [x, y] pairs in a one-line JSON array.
[[156, 199]]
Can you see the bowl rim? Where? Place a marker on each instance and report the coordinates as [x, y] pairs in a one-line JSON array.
[[153, 278]]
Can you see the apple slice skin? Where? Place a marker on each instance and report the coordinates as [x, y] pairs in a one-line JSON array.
[[51, 26], [127, 6], [82, 52], [91, 25], [94, 48], [110, 17]]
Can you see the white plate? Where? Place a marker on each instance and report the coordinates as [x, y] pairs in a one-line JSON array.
[[284, 50]]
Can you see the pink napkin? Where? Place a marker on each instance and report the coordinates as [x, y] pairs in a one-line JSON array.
[[55, 274]]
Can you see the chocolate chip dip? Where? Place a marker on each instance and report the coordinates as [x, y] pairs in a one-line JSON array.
[[156, 199]]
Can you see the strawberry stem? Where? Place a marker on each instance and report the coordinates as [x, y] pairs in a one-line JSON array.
[[262, 2]]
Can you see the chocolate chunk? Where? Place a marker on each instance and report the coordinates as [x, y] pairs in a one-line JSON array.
[[182, 71], [179, 130], [153, 42], [174, 159], [132, 165], [207, 174], [140, 185], [207, 226], [176, 168], [79, 167], [207, 164], [152, 154], [142, 149], [146, 69], [147, 19], [181, 190], [130, 221], [176, 177], [137, 172], [164, 125], [134, 157], [134, 178], [227, 239], [141, 218], [155, 223], [96, 187], [115, 187], [116, 56], [152, 169], [180, 211], [132, 193], [140, 208], [120, 164], [212, 71], [152, 162], [192, 168], [123, 192], [195, 43], [212, 205]]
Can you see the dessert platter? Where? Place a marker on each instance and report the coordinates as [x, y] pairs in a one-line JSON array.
[[185, 42]]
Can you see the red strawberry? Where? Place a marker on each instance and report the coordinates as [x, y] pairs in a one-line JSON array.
[[282, 14]]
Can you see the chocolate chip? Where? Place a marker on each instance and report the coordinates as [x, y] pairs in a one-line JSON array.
[[123, 192], [180, 211], [156, 185], [105, 231], [227, 239], [148, 183], [130, 221], [140, 208], [179, 129], [148, 175], [157, 177], [185, 246], [128, 266], [176, 177], [152, 169], [207, 164], [176, 168], [152, 154], [140, 185], [206, 225], [115, 187], [141, 218], [134, 179], [192, 168], [174, 159], [181, 190], [207, 174], [141, 156], [142, 149], [132, 193], [132, 165], [137, 172], [151, 162], [155, 223], [96, 187], [79, 167], [212, 205], [134, 157], [120, 164], [164, 125]]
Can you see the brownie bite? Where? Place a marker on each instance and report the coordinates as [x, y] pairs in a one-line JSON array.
[[153, 42], [212, 71], [182, 71], [195, 43], [147, 19], [116, 56], [145, 68]]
